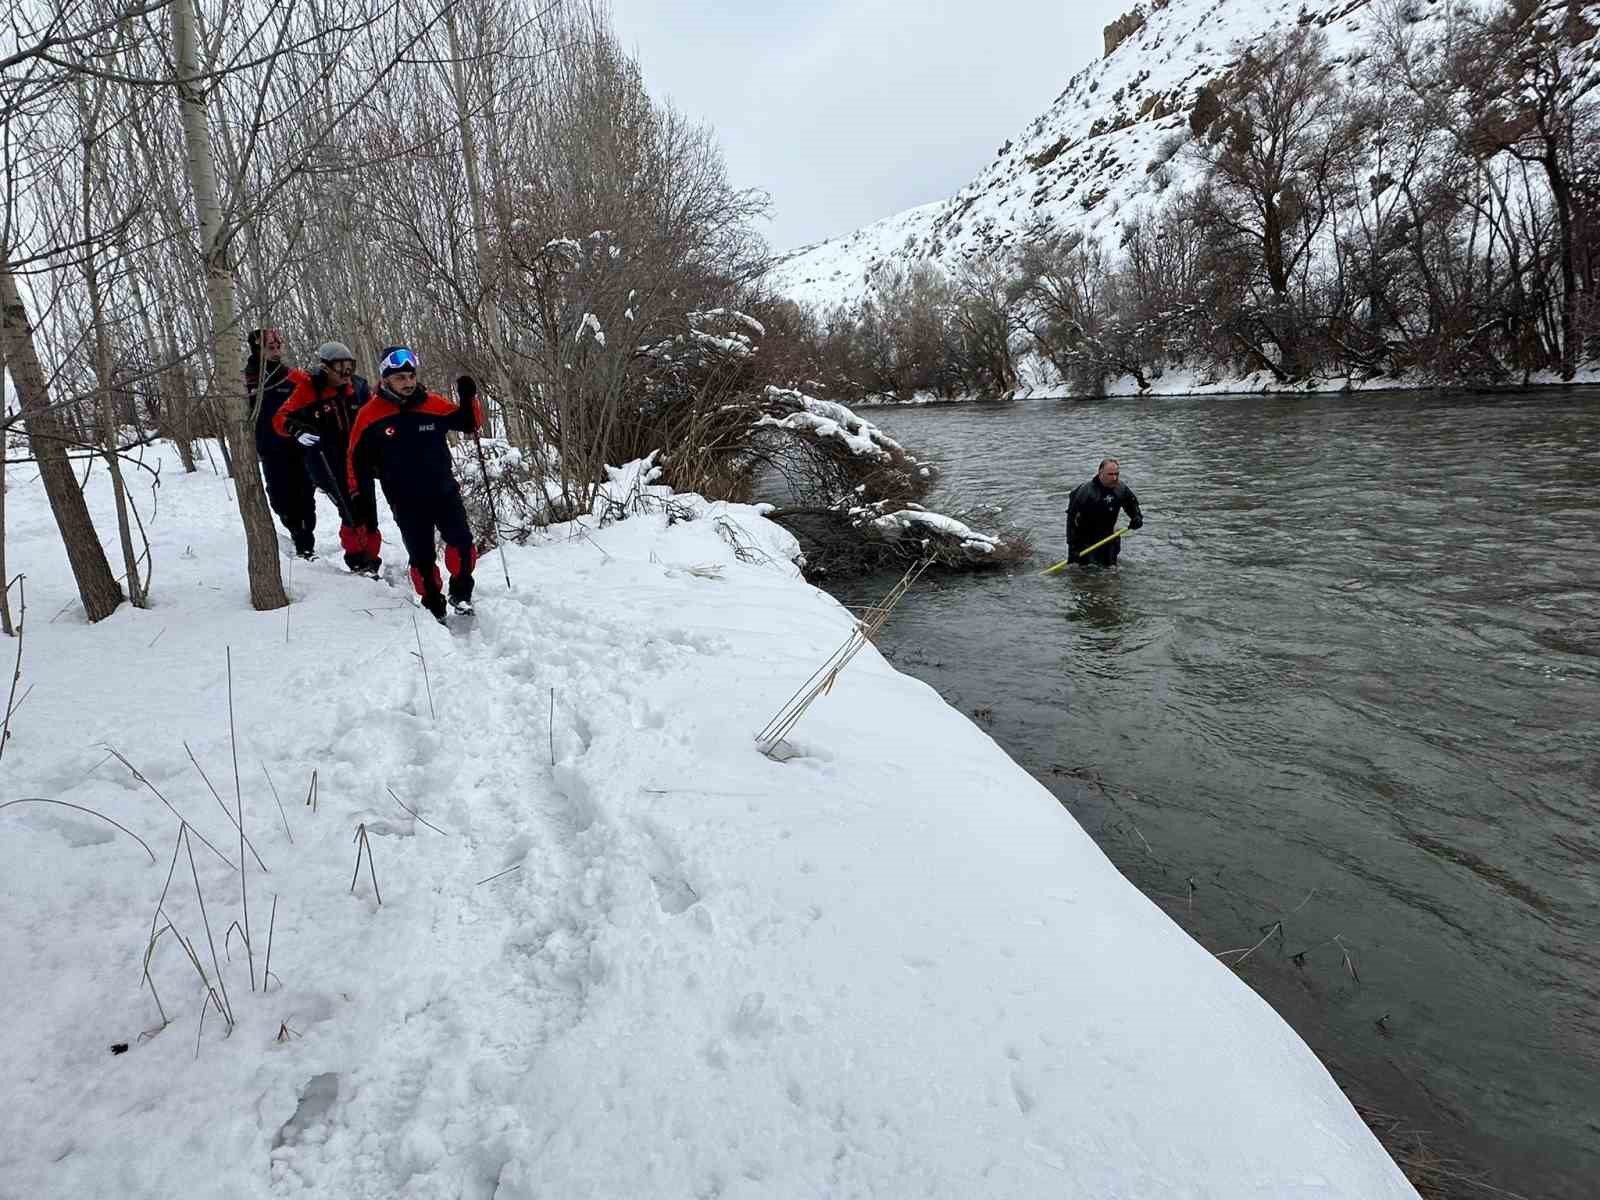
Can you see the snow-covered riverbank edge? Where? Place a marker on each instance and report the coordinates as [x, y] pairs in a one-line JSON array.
[[1180, 384], [619, 952]]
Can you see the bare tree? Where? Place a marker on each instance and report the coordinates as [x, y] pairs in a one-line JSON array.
[[1275, 157], [1531, 100], [28, 155], [97, 587], [261, 549]]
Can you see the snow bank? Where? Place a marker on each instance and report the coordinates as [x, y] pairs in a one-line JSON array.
[[618, 951], [1192, 381]]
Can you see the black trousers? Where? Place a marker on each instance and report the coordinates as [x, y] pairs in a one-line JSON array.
[[424, 520], [324, 464], [358, 515], [290, 491], [1106, 556]]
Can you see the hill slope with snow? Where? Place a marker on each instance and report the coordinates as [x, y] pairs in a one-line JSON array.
[[1104, 152]]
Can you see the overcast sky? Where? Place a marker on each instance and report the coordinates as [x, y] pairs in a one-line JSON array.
[[851, 110]]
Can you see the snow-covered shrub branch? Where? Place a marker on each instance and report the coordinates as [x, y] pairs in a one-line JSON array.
[[857, 492]]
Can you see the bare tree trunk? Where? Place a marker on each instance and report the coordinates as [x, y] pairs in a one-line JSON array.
[[90, 115], [97, 587], [1561, 190], [172, 418], [261, 543], [180, 394], [6, 625]]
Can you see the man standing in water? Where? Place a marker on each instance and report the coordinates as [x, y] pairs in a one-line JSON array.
[[1092, 515]]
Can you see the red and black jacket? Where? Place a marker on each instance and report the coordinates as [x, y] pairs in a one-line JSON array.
[[404, 445], [319, 404]]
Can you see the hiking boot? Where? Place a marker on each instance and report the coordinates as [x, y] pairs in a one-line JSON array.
[[434, 603], [462, 608]]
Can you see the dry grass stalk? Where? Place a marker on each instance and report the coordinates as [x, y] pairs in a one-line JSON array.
[[150, 942], [823, 678], [222, 804], [139, 775], [80, 808], [415, 815], [1275, 927], [311, 792], [227, 1004], [279, 799], [16, 670], [498, 874], [21, 700], [238, 801], [149, 952], [156, 933], [1349, 961], [363, 844], [423, 659], [552, 727], [227, 944], [1435, 1176], [272, 922]]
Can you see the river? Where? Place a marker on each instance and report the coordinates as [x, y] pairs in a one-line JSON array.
[[1339, 708]]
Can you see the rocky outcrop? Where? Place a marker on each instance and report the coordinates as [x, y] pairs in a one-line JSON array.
[[1124, 27]]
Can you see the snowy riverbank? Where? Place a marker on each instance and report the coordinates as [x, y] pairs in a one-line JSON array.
[[659, 965], [1192, 382], [1189, 381]]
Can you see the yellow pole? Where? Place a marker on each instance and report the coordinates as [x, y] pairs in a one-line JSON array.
[[1082, 554]]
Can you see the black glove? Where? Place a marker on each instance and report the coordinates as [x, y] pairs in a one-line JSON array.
[[466, 388], [1135, 523]]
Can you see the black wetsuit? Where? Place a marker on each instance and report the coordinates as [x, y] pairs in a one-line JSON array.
[[1092, 515]]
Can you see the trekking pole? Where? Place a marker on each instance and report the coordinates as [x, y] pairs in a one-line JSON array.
[[488, 490], [339, 500], [1084, 553]]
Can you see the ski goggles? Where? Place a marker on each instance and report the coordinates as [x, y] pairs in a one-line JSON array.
[[398, 359]]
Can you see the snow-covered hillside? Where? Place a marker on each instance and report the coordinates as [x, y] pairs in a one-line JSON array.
[[1106, 149], [597, 944]]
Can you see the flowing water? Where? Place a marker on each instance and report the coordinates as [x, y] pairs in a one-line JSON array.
[[1338, 707]]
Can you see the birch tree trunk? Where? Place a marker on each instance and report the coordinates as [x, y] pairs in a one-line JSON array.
[[97, 587], [261, 543]]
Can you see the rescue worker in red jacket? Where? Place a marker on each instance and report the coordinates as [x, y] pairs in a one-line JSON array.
[[319, 415], [399, 439]]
